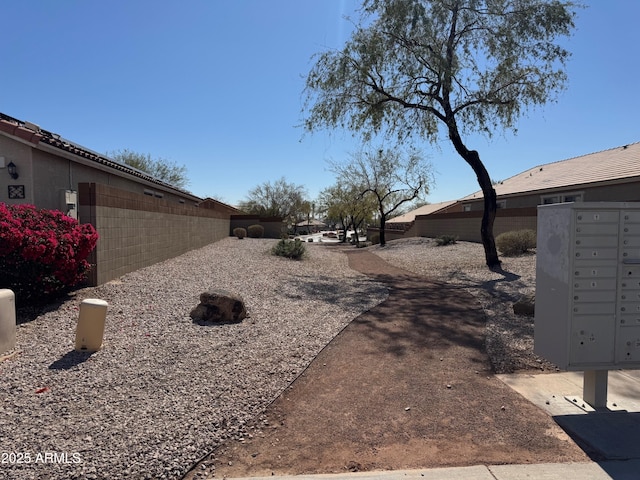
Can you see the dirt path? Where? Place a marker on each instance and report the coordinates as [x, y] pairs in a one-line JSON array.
[[405, 385]]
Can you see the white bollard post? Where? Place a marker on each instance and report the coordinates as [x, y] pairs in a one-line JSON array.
[[90, 329], [7, 320]]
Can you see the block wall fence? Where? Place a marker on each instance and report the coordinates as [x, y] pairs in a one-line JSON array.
[[466, 225], [273, 226], [140, 230]]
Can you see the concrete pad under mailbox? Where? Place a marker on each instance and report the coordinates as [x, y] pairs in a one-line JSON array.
[[611, 433]]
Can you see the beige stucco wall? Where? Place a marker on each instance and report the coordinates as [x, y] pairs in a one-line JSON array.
[[47, 172], [20, 154], [611, 192]]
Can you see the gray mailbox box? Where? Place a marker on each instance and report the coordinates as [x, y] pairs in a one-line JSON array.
[[587, 314]]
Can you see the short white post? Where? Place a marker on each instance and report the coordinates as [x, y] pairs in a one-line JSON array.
[[90, 329], [594, 388], [7, 320]]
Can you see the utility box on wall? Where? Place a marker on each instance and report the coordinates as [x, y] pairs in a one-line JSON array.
[[587, 313]]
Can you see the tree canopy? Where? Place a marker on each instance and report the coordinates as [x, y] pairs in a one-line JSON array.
[[389, 176], [160, 168], [429, 68], [278, 199], [344, 204]]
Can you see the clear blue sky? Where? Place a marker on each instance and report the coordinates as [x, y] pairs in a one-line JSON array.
[[216, 85]]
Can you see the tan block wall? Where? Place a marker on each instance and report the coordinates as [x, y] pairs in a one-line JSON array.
[[273, 227], [466, 225], [137, 231]]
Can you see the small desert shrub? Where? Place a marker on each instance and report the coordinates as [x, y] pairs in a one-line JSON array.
[[374, 238], [240, 232], [255, 231], [443, 240], [290, 249], [516, 242]]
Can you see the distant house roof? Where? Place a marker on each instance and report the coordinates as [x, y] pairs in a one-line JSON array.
[[608, 165], [34, 134], [423, 210]]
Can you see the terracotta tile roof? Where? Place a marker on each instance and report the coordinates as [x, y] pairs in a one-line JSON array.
[[608, 165], [423, 210]]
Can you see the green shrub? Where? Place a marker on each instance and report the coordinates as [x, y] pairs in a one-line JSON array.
[[290, 249], [240, 232], [443, 240], [255, 231], [374, 238], [516, 242]]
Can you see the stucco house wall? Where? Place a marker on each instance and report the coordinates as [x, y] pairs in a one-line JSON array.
[[141, 220]]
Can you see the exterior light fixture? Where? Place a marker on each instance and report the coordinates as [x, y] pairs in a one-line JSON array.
[[13, 170]]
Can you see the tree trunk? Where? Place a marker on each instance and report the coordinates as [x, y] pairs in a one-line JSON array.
[[383, 221], [484, 180]]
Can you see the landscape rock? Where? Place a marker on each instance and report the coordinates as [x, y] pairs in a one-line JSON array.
[[525, 305], [219, 306]]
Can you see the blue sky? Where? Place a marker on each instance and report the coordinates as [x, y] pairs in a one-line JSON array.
[[217, 85]]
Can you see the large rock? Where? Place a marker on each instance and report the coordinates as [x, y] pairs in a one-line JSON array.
[[219, 306], [526, 305]]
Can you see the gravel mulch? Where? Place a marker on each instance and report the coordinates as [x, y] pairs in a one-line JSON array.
[[163, 391]]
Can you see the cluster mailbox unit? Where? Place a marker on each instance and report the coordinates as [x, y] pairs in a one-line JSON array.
[[587, 314]]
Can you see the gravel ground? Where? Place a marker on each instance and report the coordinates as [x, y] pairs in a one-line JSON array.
[[163, 391], [509, 340]]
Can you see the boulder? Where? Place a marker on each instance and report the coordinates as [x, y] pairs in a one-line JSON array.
[[526, 305], [219, 306]]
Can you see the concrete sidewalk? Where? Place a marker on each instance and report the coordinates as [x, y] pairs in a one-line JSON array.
[[610, 470]]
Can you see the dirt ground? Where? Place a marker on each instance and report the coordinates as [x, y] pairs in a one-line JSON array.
[[405, 385]]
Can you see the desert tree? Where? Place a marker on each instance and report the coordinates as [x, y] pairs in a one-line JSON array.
[[392, 177], [278, 199], [161, 168], [344, 204], [443, 68]]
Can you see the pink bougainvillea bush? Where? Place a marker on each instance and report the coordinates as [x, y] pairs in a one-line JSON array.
[[42, 252]]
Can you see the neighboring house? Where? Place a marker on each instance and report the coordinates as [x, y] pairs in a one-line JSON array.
[[609, 175], [49, 169], [141, 220], [408, 218]]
